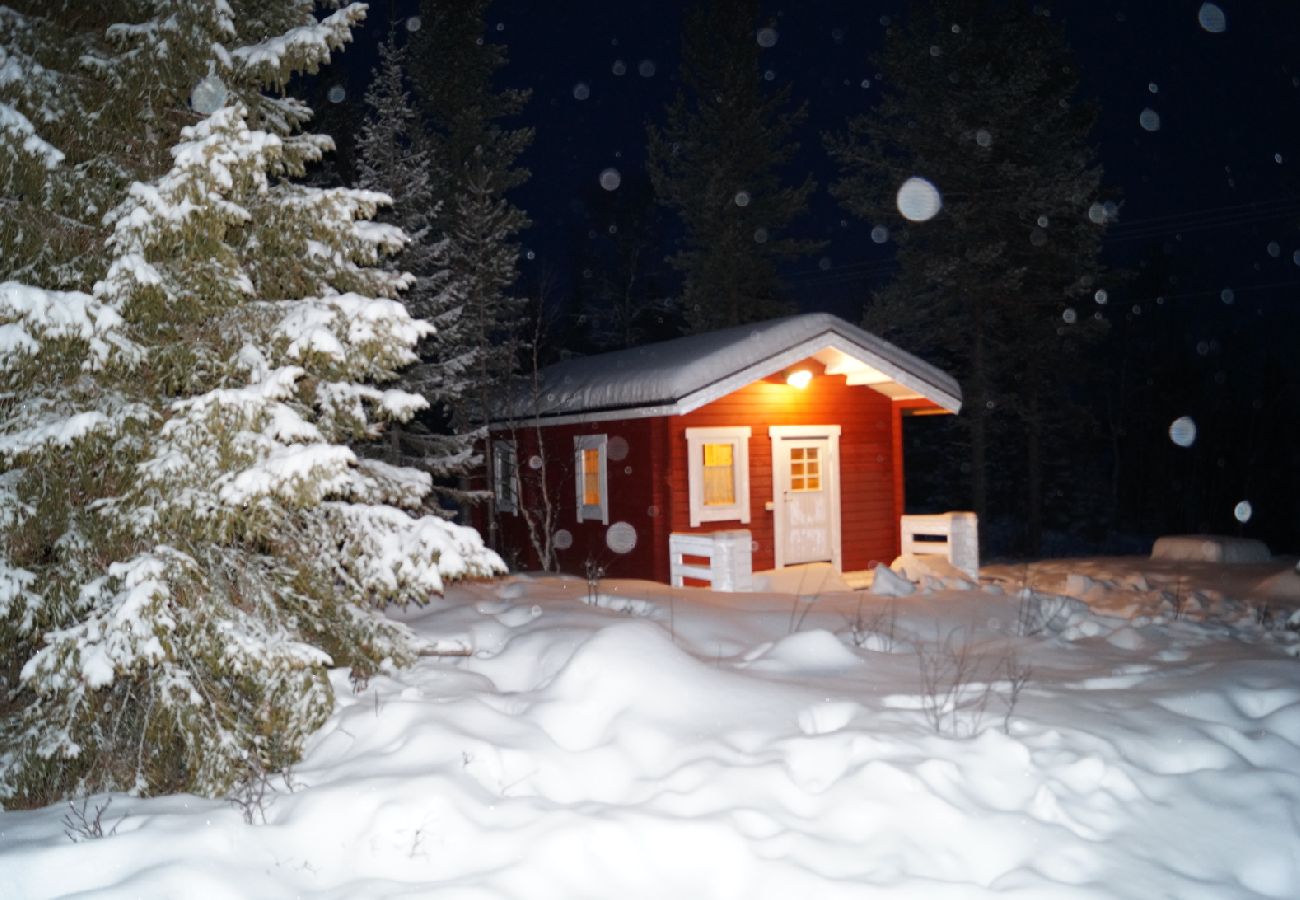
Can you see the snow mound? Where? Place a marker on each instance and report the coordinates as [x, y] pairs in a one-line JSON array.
[[807, 650], [1210, 549], [630, 606], [888, 583], [934, 571]]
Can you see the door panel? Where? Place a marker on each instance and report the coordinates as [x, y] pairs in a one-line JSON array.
[[805, 495]]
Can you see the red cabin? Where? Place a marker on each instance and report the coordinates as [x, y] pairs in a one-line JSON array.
[[791, 429]]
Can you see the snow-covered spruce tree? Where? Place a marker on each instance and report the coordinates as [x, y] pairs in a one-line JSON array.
[[394, 158], [719, 162], [188, 541], [93, 96], [474, 162]]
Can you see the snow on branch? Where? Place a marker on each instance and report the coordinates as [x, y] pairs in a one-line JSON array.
[[392, 557], [301, 49], [18, 130]]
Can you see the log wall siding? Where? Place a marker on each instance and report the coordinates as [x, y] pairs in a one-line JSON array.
[[648, 488], [868, 523]]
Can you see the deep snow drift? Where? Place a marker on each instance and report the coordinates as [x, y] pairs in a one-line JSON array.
[[1138, 739]]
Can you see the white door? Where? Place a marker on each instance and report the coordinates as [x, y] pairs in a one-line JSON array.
[[806, 503]]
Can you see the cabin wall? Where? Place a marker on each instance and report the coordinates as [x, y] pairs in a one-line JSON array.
[[648, 487], [636, 482], [868, 469]]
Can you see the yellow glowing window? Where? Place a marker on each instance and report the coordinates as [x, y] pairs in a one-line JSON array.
[[719, 475], [591, 477], [805, 469], [593, 488]]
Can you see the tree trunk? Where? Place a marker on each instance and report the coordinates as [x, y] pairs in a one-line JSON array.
[[979, 425], [1034, 467]]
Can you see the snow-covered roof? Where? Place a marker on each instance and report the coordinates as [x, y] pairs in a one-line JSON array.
[[677, 376]]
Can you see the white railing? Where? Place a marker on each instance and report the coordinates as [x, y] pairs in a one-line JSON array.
[[954, 535], [728, 553]]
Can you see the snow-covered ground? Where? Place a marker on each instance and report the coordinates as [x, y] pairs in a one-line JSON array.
[[1140, 738]]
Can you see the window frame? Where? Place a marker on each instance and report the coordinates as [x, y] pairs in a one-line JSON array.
[[591, 511], [738, 437], [505, 462]]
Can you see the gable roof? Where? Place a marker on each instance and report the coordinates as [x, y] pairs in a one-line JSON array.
[[677, 376]]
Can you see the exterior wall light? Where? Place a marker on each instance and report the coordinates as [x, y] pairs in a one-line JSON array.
[[798, 378]]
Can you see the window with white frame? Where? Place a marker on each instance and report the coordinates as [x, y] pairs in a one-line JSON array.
[[718, 474], [505, 476], [592, 484]]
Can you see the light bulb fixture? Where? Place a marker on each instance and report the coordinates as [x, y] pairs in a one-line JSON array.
[[798, 378]]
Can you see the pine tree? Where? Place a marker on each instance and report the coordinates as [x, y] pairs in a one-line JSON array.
[[394, 157], [627, 302], [982, 102], [186, 540], [474, 163], [718, 161]]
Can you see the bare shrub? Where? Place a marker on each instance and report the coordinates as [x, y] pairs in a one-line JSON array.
[[880, 622], [82, 823], [957, 684]]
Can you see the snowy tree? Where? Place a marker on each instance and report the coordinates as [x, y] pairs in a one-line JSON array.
[[93, 96], [718, 161], [474, 166], [186, 539], [394, 157], [1001, 285]]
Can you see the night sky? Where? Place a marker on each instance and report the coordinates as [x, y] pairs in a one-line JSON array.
[[1210, 199]]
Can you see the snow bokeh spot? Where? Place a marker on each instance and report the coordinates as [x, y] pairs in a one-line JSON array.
[[1149, 119], [610, 179], [619, 67], [742, 198], [646, 68], [1070, 316], [1183, 431], [767, 37], [413, 23], [1243, 511], [1153, 88], [1101, 297], [621, 537], [562, 539], [617, 448], [1227, 295], [337, 94], [984, 137], [209, 95], [760, 235], [581, 91], [1274, 249], [880, 234], [1212, 18], [918, 200]]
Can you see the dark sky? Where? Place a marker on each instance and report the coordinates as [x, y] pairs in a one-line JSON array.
[[1217, 182], [1210, 199]]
